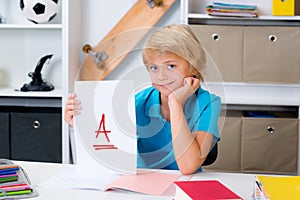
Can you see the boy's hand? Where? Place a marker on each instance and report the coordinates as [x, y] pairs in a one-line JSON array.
[[73, 107], [190, 85]]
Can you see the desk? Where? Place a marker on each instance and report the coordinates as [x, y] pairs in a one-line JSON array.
[[242, 184]]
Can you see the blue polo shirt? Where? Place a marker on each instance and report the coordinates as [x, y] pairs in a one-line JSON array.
[[155, 148]]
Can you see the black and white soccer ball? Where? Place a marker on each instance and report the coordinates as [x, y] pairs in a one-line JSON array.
[[40, 11]]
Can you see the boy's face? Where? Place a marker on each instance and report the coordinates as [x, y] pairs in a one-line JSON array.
[[167, 71]]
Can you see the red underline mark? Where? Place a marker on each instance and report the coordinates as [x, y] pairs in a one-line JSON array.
[[104, 146]]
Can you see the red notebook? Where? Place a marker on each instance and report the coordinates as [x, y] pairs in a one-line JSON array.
[[203, 190]]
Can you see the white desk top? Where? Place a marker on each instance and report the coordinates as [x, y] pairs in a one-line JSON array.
[[242, 184]]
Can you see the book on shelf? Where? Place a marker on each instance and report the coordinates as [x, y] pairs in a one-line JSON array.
[[232, 10], [203, 190]]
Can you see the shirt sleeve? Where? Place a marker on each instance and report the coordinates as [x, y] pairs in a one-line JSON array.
[[209, 115]]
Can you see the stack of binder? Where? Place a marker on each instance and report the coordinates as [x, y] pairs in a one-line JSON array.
[[232, 10], [277, 187]]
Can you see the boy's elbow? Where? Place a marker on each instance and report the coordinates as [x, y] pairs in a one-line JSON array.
[[191, 168], [188, 170]]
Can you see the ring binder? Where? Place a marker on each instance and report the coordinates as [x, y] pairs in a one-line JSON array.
[[283, 8]]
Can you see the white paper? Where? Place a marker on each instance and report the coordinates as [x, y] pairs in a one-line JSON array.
[[72, 177], [106, 126], [86, 174], [115, 99]]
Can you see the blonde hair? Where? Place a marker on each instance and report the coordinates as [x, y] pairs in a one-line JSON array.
[[180, 40]]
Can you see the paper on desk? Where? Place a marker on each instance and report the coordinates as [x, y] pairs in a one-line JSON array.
[[87, 174], [146, 182], [72, 178]]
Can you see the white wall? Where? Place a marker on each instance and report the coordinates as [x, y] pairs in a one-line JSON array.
[[100, 16]]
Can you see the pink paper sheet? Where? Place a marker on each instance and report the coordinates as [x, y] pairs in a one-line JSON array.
[[146, 182]]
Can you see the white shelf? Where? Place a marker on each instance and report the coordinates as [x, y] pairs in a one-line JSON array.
[[31, 26], [262, 17], [256, 94], [263, 20], [15, 92]]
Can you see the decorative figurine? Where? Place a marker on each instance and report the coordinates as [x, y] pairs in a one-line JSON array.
[[37, 83]]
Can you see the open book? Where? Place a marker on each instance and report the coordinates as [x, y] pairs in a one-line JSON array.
[[146, 182]]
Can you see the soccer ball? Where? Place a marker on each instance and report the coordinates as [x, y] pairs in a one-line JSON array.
[[40, 11]]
